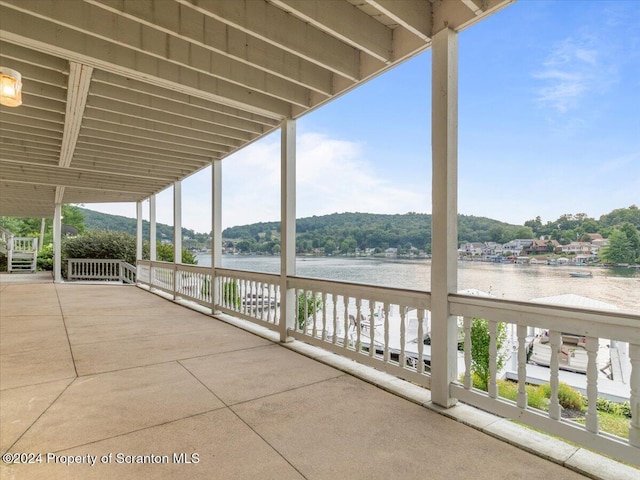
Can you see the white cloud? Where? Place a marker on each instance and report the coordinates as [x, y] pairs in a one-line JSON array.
[[332, 176], [570, 72]]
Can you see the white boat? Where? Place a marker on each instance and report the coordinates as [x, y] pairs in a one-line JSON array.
[[260, 301], [581, 274], [395, 346]]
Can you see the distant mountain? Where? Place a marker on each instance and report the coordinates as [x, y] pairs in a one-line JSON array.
[[348, 231], [103, 221]]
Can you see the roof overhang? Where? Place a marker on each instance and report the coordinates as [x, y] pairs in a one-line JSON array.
[[123, 98]]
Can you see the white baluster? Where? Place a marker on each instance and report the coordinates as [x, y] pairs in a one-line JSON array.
[[334, 302], [467, 353], [403, 332], [345, 340], [493, 359], [385, 310], [372, 328], [420, 342], [324, 316], [314, 330], [592, 384], [305, 309], [555, 342], [522, 367], [358, 325]]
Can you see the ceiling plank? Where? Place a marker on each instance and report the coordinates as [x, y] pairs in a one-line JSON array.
[[53, 175], [192, 26], [123, 32], [139, 141], [125, 133], [457, 16], [414, 15], [35, 32], [272, 25], [170, 94], [168, 118], [162, 128], [167, 106], [345, 22]]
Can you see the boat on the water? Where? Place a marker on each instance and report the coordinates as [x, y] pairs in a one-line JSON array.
[[581, 274]]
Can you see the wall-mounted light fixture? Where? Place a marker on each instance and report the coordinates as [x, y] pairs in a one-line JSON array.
[[10, 87]]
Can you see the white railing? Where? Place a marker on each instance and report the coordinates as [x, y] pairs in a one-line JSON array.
[[21, 252], [157, 275], [349, 318], [128, 273], [100, 270], [25, 244], [589, 325], [249, 295]]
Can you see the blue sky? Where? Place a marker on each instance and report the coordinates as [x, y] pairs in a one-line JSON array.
[[549, 123]]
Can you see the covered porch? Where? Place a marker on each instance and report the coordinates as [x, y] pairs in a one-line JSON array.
[[114, 375], [126, 99]]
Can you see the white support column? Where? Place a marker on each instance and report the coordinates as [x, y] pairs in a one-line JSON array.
[[41, 243], [152, 229], [216, 229], [138, 231], [444, 275], [177, 222], [57, 243], [177, 235], [287, 225]]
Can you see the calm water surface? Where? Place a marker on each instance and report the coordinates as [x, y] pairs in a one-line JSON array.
[[620, 286]]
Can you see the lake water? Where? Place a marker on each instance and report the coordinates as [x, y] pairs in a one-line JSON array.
[[619, 286]]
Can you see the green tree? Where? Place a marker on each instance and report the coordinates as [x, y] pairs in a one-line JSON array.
[[633, 235], [480, 340], [497, 234], [619, 249], [524, 232], [73, 216], [164, 253]]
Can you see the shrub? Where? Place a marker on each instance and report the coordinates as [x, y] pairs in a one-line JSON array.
[[570, 398], [105, 244], [537, 398], [567, 397], [45, 257], [311, 305], [508, 389], [604, 405]]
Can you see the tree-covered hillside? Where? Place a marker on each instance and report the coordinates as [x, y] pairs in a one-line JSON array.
[[103, 221], [347, 231]]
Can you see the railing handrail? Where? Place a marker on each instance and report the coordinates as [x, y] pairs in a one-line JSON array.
[[19, 243], [4, 233], [613, 324], [128, 272], [101, 269]]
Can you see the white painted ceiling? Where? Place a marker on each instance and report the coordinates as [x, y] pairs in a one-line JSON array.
[[123, 97]]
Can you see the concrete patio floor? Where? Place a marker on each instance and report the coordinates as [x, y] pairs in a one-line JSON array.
[[102, 370]]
